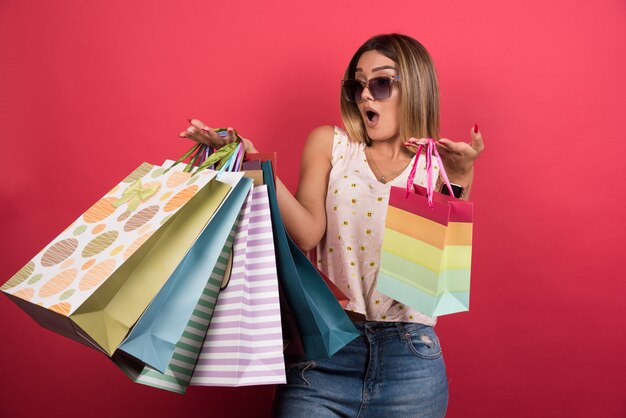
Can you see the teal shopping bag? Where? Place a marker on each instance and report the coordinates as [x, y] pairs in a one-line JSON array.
[[183, 363], [323, 325], [154, 337]]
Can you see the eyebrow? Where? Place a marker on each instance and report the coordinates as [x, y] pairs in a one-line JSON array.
[[384, 67]]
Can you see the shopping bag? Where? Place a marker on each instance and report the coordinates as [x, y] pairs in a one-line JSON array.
[[427, 248], [339, 295], [243, 345], [292, 341], [258, 157], [153, 338], [183, 362], [93, 281], [323, 325]]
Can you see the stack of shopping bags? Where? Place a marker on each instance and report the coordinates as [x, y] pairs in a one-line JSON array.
[[179, 274]]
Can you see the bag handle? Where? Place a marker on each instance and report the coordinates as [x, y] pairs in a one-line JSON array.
[[207, 157], [431, 149], [234, 161]]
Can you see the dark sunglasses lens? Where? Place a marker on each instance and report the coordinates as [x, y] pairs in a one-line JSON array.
[[352, 90], [380, 87]]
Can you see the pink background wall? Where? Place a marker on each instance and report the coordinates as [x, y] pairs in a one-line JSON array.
[[89, 89]]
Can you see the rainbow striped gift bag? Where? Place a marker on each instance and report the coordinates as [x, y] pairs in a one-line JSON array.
[[427, 248]]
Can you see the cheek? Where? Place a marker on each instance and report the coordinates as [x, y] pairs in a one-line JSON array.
[[392, 110]]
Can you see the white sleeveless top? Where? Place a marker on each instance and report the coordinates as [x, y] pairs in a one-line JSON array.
[[356, 207]]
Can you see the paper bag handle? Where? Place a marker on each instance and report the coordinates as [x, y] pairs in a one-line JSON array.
[[206, 157], [431, 149]]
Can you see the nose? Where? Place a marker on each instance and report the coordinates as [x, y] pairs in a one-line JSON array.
[[366, 95]]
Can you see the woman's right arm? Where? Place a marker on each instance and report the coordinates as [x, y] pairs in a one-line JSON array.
[[305, 214]]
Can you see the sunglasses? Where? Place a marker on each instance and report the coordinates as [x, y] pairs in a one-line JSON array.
[[379, 87]]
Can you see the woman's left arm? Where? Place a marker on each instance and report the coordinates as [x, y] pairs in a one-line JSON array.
[[458, 159]]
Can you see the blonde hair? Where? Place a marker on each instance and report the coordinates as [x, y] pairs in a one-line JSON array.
[[419, 89]]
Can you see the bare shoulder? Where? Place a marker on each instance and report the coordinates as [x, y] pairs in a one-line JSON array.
[[323, 131], [320, 140]]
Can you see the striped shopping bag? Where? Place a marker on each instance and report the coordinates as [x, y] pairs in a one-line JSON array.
[[180, 369], [244, 343], [427, 247]]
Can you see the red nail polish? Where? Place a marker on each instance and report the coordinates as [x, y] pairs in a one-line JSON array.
[[475, 128], [189, 120]]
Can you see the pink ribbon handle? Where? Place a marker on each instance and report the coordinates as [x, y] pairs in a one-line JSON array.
[[409, 181], [431, 149]]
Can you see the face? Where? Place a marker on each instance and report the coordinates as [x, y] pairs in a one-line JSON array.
[[381, 117]]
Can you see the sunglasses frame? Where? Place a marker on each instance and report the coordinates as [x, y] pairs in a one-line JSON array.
[[366, 85]]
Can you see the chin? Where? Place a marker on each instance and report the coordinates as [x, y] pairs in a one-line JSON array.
[[377, 134]]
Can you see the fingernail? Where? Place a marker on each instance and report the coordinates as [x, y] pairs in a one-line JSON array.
[[189, 120], [229, 130], [475, 128]]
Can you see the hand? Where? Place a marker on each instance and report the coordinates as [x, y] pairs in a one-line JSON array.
[[458, 157], [199, 132]]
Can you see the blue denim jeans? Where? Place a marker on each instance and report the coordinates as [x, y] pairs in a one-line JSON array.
[[393, 369]]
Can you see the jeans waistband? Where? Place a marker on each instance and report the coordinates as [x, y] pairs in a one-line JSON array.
[[381, 329]]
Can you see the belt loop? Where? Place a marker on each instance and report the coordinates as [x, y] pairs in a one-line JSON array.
[[401, 331]]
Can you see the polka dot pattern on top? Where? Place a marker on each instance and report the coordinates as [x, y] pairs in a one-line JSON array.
[[356, 207]]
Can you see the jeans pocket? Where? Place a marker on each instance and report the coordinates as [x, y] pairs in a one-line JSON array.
[[423, 342], [296, 372]]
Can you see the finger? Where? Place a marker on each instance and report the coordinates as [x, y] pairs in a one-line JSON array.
[[211, 133], [477, 139], [232, 136], [448, 143], [219, 139], [197, 135], [196, 123], [443, 141], [445, 145], [457, 148], [186, 133], [416, 142]]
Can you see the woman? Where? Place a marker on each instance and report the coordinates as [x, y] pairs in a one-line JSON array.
[[395, 368]]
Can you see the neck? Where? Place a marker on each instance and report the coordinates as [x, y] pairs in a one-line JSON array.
[[393, 150], [387, 160]]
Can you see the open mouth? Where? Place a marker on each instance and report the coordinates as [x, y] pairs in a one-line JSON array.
[[372, 117]]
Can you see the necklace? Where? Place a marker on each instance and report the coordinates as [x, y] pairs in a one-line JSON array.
[[382, 178]]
